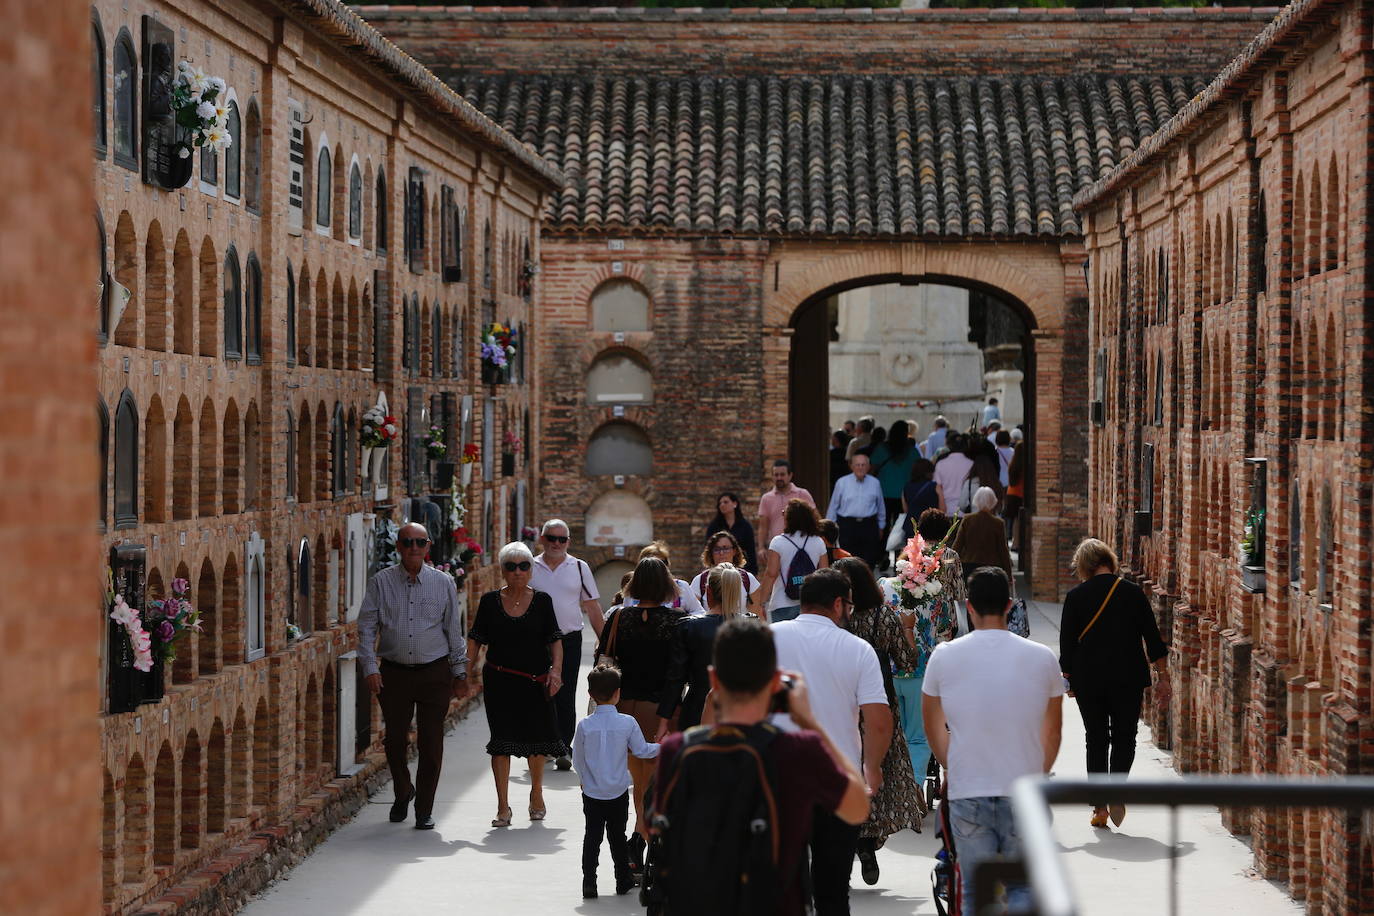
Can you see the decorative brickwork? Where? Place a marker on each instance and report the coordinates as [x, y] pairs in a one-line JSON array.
[[1231, 314], [263, 321]]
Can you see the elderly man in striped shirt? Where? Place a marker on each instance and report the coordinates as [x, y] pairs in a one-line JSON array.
[[414, 654]]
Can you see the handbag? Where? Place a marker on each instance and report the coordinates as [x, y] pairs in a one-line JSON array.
[[1018, 618], [607, 656], [896, 538]]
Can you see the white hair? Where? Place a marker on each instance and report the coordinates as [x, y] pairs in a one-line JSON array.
[[554, 523], [514, 552], [984, 499], [1016, 434]]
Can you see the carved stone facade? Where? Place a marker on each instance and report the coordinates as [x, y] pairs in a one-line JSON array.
[[1231, 331]]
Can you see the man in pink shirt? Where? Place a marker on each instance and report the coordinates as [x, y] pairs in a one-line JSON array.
[[773, 504]]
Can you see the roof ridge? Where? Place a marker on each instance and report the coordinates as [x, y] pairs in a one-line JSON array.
[[737, 14]]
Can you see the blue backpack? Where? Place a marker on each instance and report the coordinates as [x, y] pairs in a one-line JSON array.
[[798, 568]]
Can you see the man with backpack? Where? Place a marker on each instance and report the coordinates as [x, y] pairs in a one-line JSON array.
[[845, 681], [572, 586], [734, 803]]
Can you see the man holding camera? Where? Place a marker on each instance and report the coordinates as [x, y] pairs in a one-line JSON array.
[[812, 778], [844, 680]]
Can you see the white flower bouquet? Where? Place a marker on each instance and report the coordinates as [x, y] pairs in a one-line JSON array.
[[201, 108]]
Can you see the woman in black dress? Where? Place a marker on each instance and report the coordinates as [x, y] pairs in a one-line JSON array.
[[690, 657], [638, 639], [517, 626]]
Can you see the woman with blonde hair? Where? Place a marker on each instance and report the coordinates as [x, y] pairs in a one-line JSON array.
[[1108, 637], [690, 651]]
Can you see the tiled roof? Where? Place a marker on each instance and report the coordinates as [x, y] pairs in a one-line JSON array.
[[345, 27], [1290, 28], [845, 155]]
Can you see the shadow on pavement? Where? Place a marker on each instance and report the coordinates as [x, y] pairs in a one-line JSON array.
[[1123, 847]]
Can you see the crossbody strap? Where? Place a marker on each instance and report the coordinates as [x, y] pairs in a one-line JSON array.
[[582, 579], [1110, 592]]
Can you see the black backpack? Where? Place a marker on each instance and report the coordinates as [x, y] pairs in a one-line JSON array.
[[716, 846], [798, 568]]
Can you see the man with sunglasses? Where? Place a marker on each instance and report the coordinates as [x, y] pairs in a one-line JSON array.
[[571, 585], [414, 655], [843, 679]]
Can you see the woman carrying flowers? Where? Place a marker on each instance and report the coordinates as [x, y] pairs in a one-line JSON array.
[[928, 594]]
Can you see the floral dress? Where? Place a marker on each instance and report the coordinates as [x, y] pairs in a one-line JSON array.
[[898, 804]]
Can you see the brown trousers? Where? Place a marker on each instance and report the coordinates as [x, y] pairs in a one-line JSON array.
[[424, 693]]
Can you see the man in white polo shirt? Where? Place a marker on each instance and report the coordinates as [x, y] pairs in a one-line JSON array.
[[842, 679], [571, 585]]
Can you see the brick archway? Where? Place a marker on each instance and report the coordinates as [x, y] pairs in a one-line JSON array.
[[1042, 281]]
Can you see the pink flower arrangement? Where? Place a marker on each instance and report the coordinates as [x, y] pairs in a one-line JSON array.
[[917, 573], [139, 639], [168, 618]]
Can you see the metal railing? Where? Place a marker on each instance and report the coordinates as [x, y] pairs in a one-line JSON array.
[[1049, 880]]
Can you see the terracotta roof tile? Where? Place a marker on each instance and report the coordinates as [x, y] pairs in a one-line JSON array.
[[881, 155]]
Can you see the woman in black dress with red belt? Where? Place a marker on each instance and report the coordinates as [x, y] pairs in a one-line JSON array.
[[521, 675]]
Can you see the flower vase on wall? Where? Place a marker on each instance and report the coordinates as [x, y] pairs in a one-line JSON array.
[[491, 373], [465, 473], [375, 471], [154, 681], [366, 465]]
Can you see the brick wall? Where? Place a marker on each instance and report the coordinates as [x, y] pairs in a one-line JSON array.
[[49, 822], [258, 443], [669, 42], [1230, 300]]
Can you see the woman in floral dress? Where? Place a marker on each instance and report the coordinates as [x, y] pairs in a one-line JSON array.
[[898, 803], [928, 619]]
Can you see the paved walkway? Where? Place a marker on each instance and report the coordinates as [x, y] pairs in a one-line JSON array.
[[374, 866]]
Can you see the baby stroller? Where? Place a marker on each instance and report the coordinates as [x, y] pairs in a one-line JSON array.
[[946, 884]]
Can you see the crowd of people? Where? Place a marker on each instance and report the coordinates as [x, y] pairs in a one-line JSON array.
[[806, 694]]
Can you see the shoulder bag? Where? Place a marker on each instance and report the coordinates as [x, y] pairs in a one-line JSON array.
[[1110, 592]]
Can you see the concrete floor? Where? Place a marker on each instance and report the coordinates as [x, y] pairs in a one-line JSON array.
[[374, 866]]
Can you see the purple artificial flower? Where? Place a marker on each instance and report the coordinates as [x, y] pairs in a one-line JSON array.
[[180, 586], [165, 631]]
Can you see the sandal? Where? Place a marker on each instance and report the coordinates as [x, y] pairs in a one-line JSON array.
[[503, 821], [537, 814], [1099, 817]]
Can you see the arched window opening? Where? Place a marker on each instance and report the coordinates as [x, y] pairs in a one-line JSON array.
[[263, 755], [233, 306], [125, 101], [103, 418], [252, 447], [290, 315], [355, 202], [209, 302], [1229, 280], [183, 296], [252, 313], [102, 281], [620, 305], [164, 808], [436, 342], [1261, 245], [126, 273], [155, 463], [233, 153], [126, 462], [183, 470], [232, 463], [190, 792], [619, 448], [324, 178], [619, 378], [305, 460], [1326, 550], [338, 450], [1159, 389], [240, 769], [1333, 387], [1295, 534], [209, 169], [208, 464], [619, 517], [1333, 216], [322, 321], [487, 268], [207, 605], [381, 207], [1314, 225], [216, 781], [353, 333], [338, 325], [252, 158], [304, 320], [136, 819], [290, 455], [304, 572], [98, 132]]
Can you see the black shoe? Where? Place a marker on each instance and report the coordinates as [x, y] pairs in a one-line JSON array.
[[868, 866], [625, 883], [424, 823], [588, 889], [563, 763], [401, 806], [637, 854]]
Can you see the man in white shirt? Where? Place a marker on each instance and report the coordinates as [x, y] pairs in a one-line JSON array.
[[858, 508], [950, 472], [572, 586], [936, 440], [843, 680], [1002, 698]]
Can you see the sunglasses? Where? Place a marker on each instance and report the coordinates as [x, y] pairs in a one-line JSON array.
[[523, 566], [412, 542], [556, 538]]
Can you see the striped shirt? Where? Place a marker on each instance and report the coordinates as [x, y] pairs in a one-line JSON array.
[[418, 620]]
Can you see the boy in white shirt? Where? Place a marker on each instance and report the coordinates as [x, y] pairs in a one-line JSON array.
[[599, 751]]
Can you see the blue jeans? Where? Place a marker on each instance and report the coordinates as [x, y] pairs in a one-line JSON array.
[[984, 829], [909, 706], [779, 614]]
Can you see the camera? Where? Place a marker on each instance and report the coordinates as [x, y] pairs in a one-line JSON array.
[[779, 702]]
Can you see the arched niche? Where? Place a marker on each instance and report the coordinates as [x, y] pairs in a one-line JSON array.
[[617, 377], [608, 576], [620, 305], [619, 517], [619, 448]]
